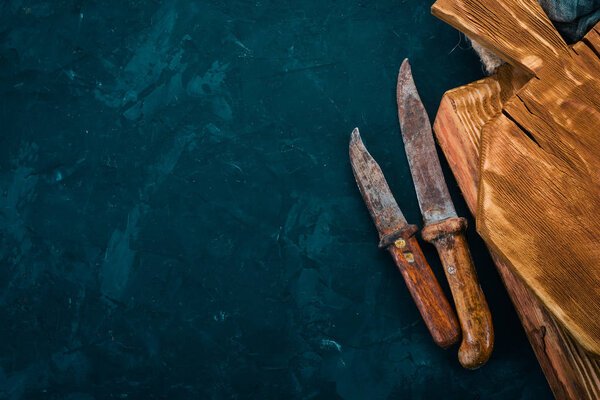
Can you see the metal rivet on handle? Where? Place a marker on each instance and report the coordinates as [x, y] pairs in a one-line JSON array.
[[409, 257], [400, 243]]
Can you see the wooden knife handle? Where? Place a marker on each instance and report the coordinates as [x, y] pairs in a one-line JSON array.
[[425, 289], [473, 312]]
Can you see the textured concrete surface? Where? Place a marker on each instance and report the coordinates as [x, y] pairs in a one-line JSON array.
[[178, 216]]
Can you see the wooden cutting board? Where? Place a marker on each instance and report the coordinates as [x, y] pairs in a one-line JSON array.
[[570, 371], [539, 192]]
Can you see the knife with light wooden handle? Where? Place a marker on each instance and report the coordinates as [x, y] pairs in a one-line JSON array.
[[443, 227]]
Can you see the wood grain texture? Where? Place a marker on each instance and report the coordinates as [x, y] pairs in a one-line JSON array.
[[570, 371], [425, 290], [539, 185], [516, 30], [470, 107], [448, 236]]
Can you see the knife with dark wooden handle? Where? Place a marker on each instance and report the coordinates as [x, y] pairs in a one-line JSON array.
[[398, 237], [443, 227], [425, 289]]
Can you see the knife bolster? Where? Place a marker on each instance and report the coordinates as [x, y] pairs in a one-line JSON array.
[[431, 233], [405, 233]]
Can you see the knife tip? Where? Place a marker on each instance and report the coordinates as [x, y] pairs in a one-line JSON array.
[[355, 136], [405, 87], [404, 71], [356, 143], [405, 64]]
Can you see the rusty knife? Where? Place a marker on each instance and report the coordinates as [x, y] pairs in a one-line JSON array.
[[442, 227], [397, 236]]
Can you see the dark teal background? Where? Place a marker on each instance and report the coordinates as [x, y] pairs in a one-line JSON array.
[[178, 215]]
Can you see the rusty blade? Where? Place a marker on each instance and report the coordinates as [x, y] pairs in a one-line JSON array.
[[432, 192], [374, 189]]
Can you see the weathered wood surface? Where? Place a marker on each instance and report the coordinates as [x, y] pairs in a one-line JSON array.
[[570, 371], [539, 186]]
